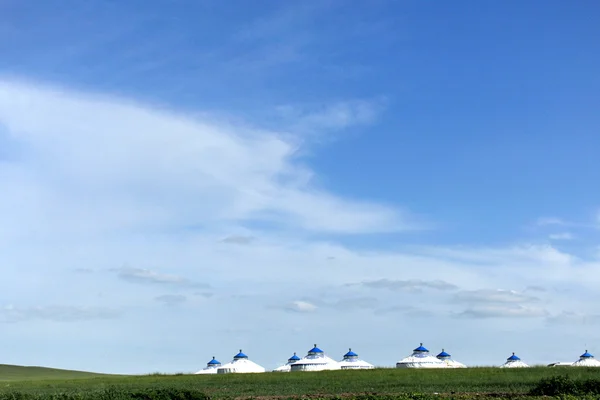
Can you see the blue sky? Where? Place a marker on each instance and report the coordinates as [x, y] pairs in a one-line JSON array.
[[184, 178]]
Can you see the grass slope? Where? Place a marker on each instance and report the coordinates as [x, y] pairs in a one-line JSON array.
[[380, 381], [19, 373]]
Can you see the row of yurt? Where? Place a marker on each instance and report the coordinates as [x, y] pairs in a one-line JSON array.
[[317, 360], [240, 364], [420, 358], [585, 360]]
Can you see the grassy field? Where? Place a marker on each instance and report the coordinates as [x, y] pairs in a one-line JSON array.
[[380, 381], [18, 373]]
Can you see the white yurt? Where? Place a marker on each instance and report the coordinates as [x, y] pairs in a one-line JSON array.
[[586, 360], [514, 362], [211, 367], [420, 358], [286, 367], [240, 365], [447, 359], [315, 360], [351, 361]]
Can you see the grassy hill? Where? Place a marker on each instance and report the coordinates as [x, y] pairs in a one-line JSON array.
[[19, 373]]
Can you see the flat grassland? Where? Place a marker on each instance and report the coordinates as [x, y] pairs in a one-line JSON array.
[[384, 381]]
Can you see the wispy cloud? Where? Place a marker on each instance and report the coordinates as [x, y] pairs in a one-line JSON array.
[[56, 313], [238, 239], [407, 311], [146, 276], [152, 159], [561, 236], [327, 116], [405, 285], [171, 299], [545, 221], [494, 296], [574, 319], [503, 311], [300, 306]]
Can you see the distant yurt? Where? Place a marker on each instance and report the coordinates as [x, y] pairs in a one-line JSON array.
[[315, 360], [420, 358], [211, 367], [351, 361], [514, 362], [447, 359], [240, 365], [586, 360], [286, 367]]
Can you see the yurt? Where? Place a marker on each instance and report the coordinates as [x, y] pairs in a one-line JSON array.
[[211, 367], [420, 358], [586, 360], [240, 365], [447, 359], [286, 367], [514, 362], [351, 361], [315, 360]]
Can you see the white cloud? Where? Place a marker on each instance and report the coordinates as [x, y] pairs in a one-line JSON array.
[[499, 311], [319, 117], [494, 296], [561, 236], [545, 221], [301, 306], [126, 166]]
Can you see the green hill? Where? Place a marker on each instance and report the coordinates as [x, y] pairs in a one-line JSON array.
[[19, 373]]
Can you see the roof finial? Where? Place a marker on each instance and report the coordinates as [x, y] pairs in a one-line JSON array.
[[513, 353], [294, 353], [349, 348], [315, 345], [240, 350], [442, 350], [213, 357], [421, 344]]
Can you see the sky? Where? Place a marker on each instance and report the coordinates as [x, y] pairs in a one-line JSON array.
[[183, 179]]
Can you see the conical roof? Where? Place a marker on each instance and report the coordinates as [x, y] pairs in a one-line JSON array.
[[514, 362], [241, 365], [350, 354], [421, 349], [351, 361], [211, 367], [443, 354], [240, 355], [287, 367], [213, 362], [420, 358], [315, 360], [586, 355], [586, 360], [315, 350]]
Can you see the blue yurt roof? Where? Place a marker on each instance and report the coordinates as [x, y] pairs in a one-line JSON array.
[[350, 353], [420, 348], [213, 362], [586, 355], [443, 354], [315, 350], [294, 358], [513, 358], [240, 355]]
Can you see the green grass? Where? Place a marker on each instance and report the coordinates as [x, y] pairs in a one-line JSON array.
[[18, 373], [380, 381]]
